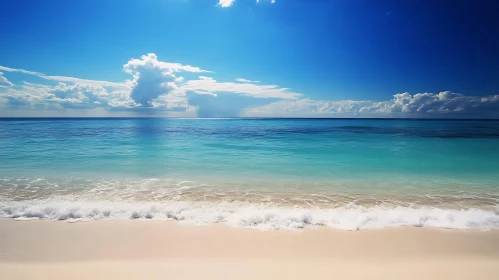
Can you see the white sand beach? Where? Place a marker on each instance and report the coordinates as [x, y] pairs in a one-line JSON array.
[[168, 250]]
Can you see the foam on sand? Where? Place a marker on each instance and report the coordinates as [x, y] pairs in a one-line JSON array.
[[253, 215]]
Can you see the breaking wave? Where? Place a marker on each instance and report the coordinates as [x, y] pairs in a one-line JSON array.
[[255, 216]]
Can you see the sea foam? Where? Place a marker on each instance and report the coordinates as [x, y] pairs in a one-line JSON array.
[[252, 215]]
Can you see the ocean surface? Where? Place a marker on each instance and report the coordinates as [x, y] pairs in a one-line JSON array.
[[277, 174]]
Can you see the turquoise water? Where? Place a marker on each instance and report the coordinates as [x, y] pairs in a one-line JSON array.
[[68, 168]]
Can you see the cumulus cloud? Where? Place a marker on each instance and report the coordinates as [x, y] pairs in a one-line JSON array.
[[79, 96], [150, 81], [27, 96], [226, 3], [37, 96], [153, 78], [4, 80], [402, 104], [152, 59]]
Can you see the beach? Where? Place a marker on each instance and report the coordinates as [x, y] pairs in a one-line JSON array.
[[248, 199], [139, 249]]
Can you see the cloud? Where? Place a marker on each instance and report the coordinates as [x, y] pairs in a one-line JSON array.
[[96, 83], [205, 78], [37, 96], [4, 80], [402, 105], [210, 85], [151, 59], [150, 79], [153, 78], [7, 69], [227, 99], [224, 104], [27, 96], [271, 1], [156, 86], [226, 3], [153, 86], [79, 96], [246, 81], [66, 79]]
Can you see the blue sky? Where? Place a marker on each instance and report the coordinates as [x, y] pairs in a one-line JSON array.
[[311, 58]]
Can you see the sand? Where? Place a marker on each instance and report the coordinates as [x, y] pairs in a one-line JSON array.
[[138, 249]]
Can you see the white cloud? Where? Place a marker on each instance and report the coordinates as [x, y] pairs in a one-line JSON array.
[[153, 85], [48, 97], [402, 104], [223, 104], [84, 81], [4, 80], [246, 81], [210, 85], [226, 3], [151, 78], [151, 60], [205, 78], [79, 96], [66, 79], [156, 87], [271, 1], [7, 69]]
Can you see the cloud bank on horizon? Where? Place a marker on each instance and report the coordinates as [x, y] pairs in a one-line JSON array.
[[162, 88]]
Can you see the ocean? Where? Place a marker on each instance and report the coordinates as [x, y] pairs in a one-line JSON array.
[[271, 174]]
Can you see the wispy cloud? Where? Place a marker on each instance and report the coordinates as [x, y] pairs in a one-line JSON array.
[[66, 79], [7, 69], [205, 84], [4, 80], [246, 81], [84, 81], [271, 1]]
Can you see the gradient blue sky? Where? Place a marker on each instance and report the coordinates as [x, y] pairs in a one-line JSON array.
[[310, 58]]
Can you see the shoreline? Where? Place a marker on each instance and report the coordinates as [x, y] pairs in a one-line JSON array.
[[131, 249]]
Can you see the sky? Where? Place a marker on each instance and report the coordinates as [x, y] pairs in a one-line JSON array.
[[249, 58]]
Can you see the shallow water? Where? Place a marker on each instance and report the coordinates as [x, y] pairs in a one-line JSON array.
[[262, 173]]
